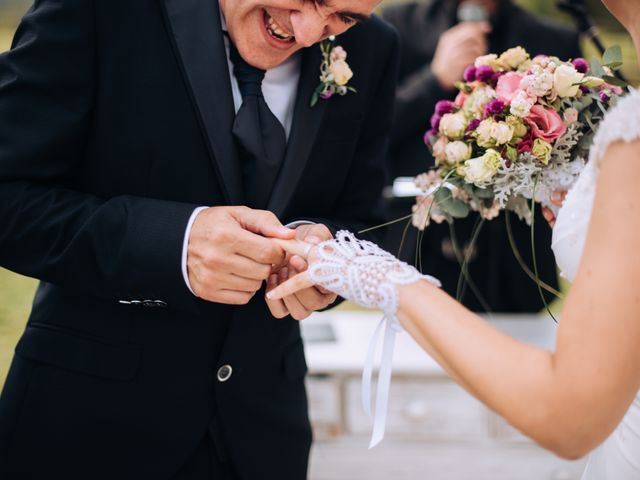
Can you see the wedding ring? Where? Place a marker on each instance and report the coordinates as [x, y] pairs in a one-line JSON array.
[[307, 250]]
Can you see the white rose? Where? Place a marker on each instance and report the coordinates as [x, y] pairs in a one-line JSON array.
[[513, 58], [439, 152], [490, 60], [453, 125], [521, 104], [484, 133], [481, 170], [565, 79], [457, 152], [341, 72], [502, 133]]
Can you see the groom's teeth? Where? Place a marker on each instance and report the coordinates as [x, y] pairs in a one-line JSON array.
[[275, 31]]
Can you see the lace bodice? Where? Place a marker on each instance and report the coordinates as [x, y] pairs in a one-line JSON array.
[[622, 123], [619, 456]]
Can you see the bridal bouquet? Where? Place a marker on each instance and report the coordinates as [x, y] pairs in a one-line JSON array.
[[519, 129]]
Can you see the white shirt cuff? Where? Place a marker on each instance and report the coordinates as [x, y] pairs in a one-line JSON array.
[[185, 247]]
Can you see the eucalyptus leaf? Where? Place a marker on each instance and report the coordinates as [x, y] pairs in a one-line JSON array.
[[596, 68], [484, 192], [457, 208], [615, 81], [612, 56]]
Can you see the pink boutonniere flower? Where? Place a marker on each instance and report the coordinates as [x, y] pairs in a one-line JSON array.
[[334, 72]]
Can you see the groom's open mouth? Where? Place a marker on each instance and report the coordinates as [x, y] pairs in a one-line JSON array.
[[277, 32]]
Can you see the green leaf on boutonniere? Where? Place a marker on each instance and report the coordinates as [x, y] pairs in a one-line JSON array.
[[316, 94]]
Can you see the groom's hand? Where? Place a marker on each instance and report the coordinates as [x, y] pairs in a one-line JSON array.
[[229, 255], [304, 302]]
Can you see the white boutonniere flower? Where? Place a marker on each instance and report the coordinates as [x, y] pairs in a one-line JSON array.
[[335, 72]]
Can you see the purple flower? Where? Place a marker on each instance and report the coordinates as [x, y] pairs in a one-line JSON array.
[[435, 121], [494, 79], [326, 95], [429, 136], [584, 89], [470, 74], [484, 73], [581, 65], [443, 107], [494, 107], [604, 96], [473, 124]]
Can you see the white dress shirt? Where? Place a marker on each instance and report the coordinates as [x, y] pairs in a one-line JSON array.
[[279, 88]]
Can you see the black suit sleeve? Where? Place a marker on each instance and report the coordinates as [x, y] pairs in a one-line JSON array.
[[122, 247], [359, 205]]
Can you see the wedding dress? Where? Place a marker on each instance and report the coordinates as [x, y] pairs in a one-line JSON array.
[[618, 458], [362, 272]]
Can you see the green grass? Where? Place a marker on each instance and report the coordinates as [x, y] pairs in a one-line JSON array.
[[16, 293]]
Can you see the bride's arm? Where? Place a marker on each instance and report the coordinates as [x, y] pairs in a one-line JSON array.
[[569, 401]]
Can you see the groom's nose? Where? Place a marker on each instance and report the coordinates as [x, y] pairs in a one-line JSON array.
[[309, 26]]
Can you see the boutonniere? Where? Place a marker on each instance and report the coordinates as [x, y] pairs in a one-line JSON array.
[[334, 72]]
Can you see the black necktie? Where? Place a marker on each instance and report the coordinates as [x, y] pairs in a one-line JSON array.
[[260, 137]]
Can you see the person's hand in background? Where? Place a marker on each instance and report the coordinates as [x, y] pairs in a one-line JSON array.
[[458, 48]]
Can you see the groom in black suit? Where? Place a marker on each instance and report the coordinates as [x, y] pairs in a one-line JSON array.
[[146, 159]]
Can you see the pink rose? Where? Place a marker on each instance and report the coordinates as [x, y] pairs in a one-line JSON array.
[[459, 101], [545, 123], [508, 86]]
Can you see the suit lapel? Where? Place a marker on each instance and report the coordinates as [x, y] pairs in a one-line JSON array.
[[305, 126], [195, 26]]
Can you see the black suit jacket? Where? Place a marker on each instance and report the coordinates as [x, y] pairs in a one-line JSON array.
[[115, 124], [499, 277]]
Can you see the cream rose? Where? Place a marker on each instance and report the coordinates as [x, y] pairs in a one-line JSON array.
[[439, 152], [565, 80], [341, 72], [453, 125], [481, 170], [483, 133], [474, 104], [490, 60], [502, 133], [513, 58], [457, 152]]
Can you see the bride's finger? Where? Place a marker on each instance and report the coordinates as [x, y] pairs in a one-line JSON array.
[[295, 247], [291, 286]]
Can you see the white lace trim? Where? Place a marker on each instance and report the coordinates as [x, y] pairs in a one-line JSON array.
[[622, 123], [362, 272]]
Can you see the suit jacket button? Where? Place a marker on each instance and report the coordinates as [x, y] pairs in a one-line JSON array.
[[224, 373], [160, 303]]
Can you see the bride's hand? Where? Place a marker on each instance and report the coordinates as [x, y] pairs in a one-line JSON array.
[[557, 198], [301, 281]]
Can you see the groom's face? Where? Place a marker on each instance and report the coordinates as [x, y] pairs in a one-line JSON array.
[[267, 32]]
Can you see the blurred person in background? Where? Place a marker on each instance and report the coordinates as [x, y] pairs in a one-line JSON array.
[[439, 39]]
